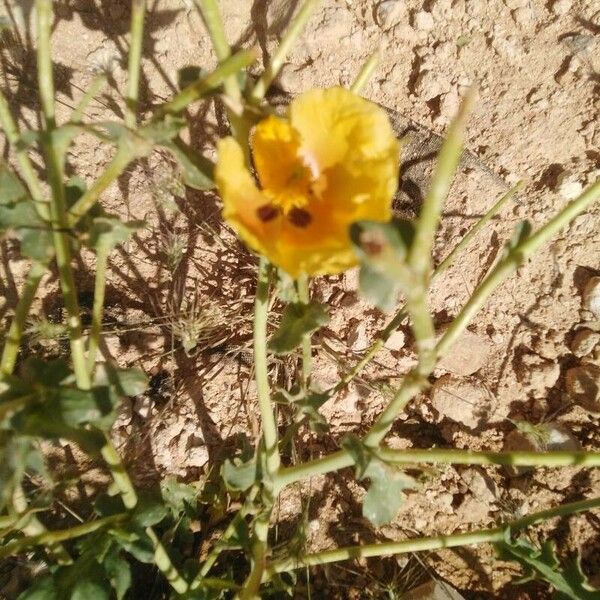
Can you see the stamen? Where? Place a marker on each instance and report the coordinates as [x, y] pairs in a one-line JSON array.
[[299, 217], [267, 212]]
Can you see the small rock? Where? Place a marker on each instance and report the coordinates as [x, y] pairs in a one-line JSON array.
[[468, 354], [460, 401], [197, 456], [562, 7], [540, 374], [473, 510], [569, 188], [431, 84], [482, 487], [584, 342], [423, 21], [591, 296], [396, 341], [142, 405], [434, 590], [515, 4], [517, 441], [389, 12], [560, 438], [583, 386], [524, 17], [449, 104]]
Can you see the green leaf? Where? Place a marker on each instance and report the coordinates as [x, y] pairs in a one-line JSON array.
[[297, 321], [385, 494], [307, 404], [197, 171], [543, 564], [107, 232], [42, 589], [521, 232], [239, 477], [136, 542], [11, 189], [361, 455], [162, 131], [36, 244], [91, 589], [77, 407], [118, 572], [381, 249], [48, 373], [149, 511], [177, 495]]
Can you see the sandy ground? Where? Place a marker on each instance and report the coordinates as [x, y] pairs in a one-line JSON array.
[[537, 66]]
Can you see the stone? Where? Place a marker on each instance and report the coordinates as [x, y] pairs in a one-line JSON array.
[[591, 296], [562, 7], [433, 590], [468, 354], [569, 188], [396, 341], [583, 386], [460, 401], [142, 405], [431, 84], [480, 485], [423, 21], [515, 4], [539, 373], [389, 13], [517, 441], [357, 335], [584, 342]]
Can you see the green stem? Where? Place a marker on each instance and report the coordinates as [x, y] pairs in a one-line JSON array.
[[304, 297], [366, 72], [279, 56], [269, 425], [25, 165], [206, 84], [15, 332], [58, 215], [165, 565], [97, 309], [52, 538], [401, 314], [497, 534], [240, 126], [95, 86], [421, 251], [138, 12], [33, 527], [513, 259], [415, 381]]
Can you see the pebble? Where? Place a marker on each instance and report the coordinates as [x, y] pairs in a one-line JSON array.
[[431, 84], [423, 21], [433, 590], [468, 354], [591, 296], [142, 405], [396, 341], [524, 17], [583, 386], [562, 7], [460, 401], [569, 188], [584, 342], [482, 487], [389, 13], [517, 441]]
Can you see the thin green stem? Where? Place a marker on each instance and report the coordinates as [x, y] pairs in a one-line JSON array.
[[304, 297], [513, 259], [26, 168], [421, 251], [138, 12], [33, 527], [97, 309], [206, 84], [240, 126], [52, 538], [269, 425], [95, 86], [165, 565], [366, 72], [15, 332], [116, 167], [415, 381], [497, 534], [401, 314], [60, 224], [279, 56]]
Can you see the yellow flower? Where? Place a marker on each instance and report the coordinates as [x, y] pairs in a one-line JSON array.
[[331, 162]]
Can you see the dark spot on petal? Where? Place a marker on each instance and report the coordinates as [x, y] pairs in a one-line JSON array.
[[267, 212], [299, 217]]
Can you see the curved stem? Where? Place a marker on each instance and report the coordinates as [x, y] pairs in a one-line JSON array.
[[497, 534], [15, 332], [304, 297], [366, 72], [138, 12], [97, 309]]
